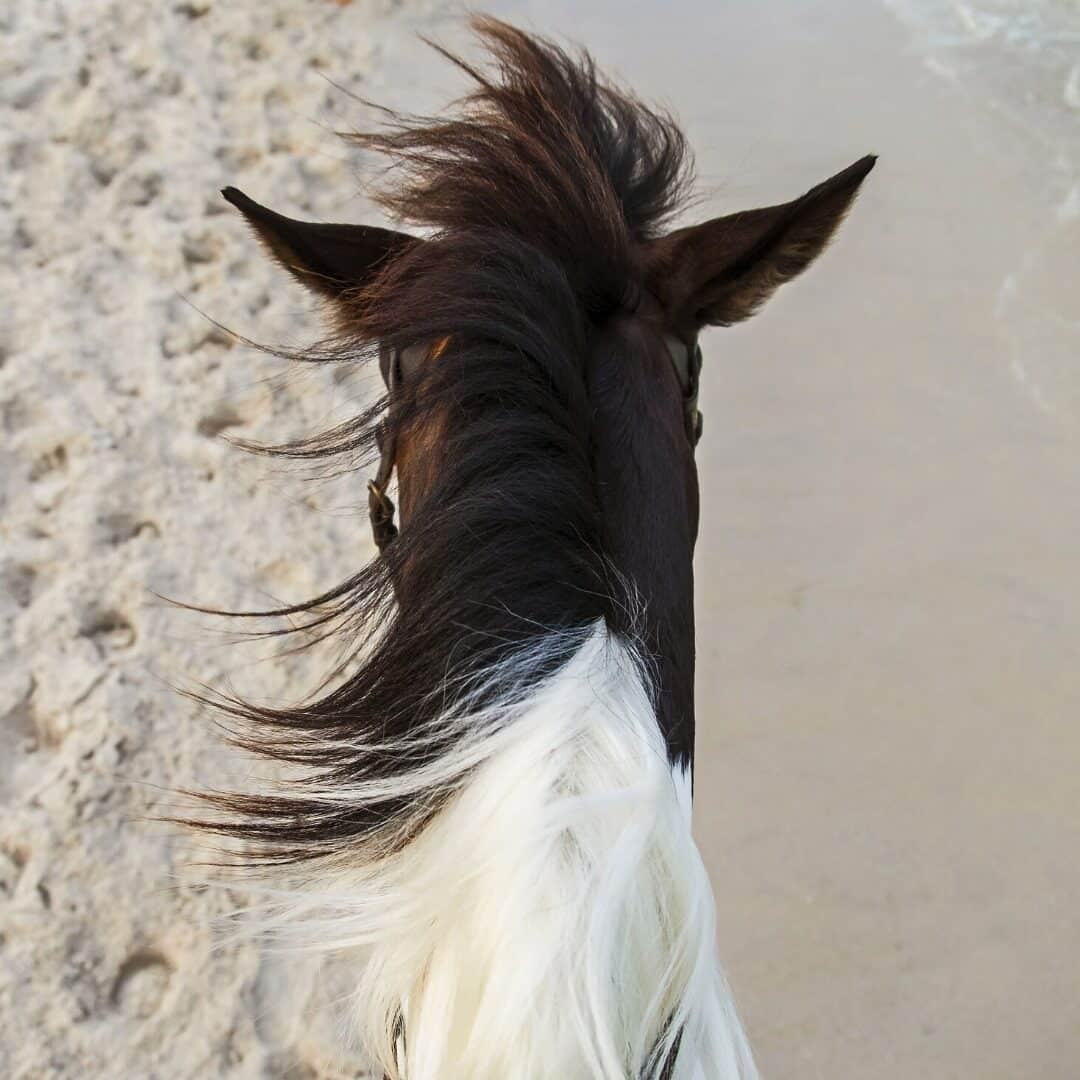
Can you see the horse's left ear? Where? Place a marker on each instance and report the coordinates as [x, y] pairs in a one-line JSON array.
[[330, 259], [722, 271]]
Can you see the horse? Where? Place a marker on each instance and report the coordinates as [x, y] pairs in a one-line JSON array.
[[488, 812]]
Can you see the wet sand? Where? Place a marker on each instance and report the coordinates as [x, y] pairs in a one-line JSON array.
[[889, 566]]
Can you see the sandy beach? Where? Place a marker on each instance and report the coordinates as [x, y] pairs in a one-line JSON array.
[[888, 571]]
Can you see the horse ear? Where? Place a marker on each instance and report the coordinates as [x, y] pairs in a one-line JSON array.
[[330, 259], [722, 271]]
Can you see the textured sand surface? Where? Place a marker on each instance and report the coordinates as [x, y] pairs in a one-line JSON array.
[[119, 124], [888, 571]]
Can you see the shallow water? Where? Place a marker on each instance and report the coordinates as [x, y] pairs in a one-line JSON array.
[[889, 567]]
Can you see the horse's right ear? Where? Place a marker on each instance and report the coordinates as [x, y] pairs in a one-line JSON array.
[[330, 259], [721, 271]]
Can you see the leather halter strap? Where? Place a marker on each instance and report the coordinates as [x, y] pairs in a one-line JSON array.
[[395, 366], [686, 359], [380, 506]]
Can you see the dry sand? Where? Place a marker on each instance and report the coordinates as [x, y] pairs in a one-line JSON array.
[[889, 579]]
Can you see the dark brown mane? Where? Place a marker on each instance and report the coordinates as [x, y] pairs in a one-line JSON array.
[[508, 546]]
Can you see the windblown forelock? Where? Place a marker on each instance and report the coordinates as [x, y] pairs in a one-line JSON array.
[[543, 150]]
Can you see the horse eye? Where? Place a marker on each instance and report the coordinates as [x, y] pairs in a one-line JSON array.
[[695, 367], [403, 365], [680, 359]]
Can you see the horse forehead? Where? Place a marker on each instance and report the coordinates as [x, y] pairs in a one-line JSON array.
[[629, 368]]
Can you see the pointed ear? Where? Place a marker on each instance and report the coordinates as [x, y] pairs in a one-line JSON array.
[[330, 259], [722, 271]]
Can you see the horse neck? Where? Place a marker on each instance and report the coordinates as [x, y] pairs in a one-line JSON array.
[[647, 487]]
